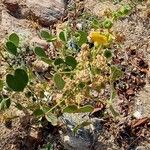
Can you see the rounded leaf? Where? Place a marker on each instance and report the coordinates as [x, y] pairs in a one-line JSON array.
[[126, 9], [86, 109], [82, 37], [63, 36], [70, 109], [45, 34], [107, 24], [58, 61], [11, 48], [18, 81], [14, 38], [38, 112], [107, 53], [59, 82], [51, 118], [40, 52], [71, 61], [46, 60]]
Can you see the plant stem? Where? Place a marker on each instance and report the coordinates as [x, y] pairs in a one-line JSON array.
[[55, 106]]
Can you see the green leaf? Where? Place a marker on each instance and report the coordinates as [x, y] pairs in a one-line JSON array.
[[1, 85], [14, 38], [83, 124], [19, 106], [86, 109], [107, 24], [126, 9], [116, 73], [51, 118], [113, 111], [95, 24], [71, 61], [107, 53], [75, 109], [40, 52], [113, 93], [70, 109], [59, 82], [46, 60], [5, 104], [58, 61], [38, 112], [82, 37], [18, 81], [47, 36], [11, 48], [48, 147], [63, 36]]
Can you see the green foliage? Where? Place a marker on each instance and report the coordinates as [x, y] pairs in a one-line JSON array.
[[1, 85], [47, 36], [86, 109], [51, 118], [5, 103], [71, 61], [18, 81], [14, 38], [124, 10], [38, 112], [12, 44], [107, 53], [40, 52], [11, 48], [48, 147], [76, 109], [113, 111], [58, 61], [59, 82], [78, 66], [107, 24], [63, 35], [116, 73], [71, 109], [82, 37], [46, 60], [19, 106]]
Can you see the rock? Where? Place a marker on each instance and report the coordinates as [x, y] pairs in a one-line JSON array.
[[40, 66], [85, 137], [46, 12], [12, 5], [9, 24], [140, 148], [137, 115]]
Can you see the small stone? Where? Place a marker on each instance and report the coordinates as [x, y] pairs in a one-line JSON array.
[[43, 11], [11, 5], [40, 66], [137, 115], [140, 148]]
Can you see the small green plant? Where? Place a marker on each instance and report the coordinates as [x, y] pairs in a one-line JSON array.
[[82, 64], [122, 12]]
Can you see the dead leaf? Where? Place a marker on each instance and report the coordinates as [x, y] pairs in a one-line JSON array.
[[139, 122]]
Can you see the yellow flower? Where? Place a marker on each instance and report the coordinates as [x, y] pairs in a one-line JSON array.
[[98, 38]]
